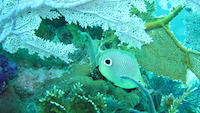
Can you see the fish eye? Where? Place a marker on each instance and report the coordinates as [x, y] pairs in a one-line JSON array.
[[108, 62]]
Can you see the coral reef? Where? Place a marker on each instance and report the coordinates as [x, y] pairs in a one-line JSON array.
[[55, 45]]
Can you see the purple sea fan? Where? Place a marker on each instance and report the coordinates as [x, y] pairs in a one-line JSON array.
[[3, 79], [10, 69], [3, 60], [7, 70]]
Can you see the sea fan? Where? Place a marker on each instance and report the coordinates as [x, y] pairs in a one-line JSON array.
[[7, 70]]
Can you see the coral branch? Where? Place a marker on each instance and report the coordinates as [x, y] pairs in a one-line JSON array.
[[164, 20]]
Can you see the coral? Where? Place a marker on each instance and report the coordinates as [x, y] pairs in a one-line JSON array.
[[192, 101], [76, 100], [162, 56], [160, 22], [52, 102], [179, 101], [7, 67], [188, 59], [175, 95], [122, 23], [165, 55], [167, 102], [168, 57], [93, 103], [166, 86], [83, 94], [165, 49], [19, 31], [111, 17], [7, 70], [33, 79], [113, 105], [148, 15]]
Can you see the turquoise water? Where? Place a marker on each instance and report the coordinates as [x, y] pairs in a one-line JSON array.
[[92, 57]]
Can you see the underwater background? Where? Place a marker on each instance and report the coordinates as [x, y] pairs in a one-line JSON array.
[[99, 56]]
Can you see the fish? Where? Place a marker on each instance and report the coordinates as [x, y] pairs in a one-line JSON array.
[[115, 64]]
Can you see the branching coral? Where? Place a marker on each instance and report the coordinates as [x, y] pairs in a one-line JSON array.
[[80, 102], [19, 19], [53, 101], [73, 100]]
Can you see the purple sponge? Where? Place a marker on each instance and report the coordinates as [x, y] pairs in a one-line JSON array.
[[7, 70]]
